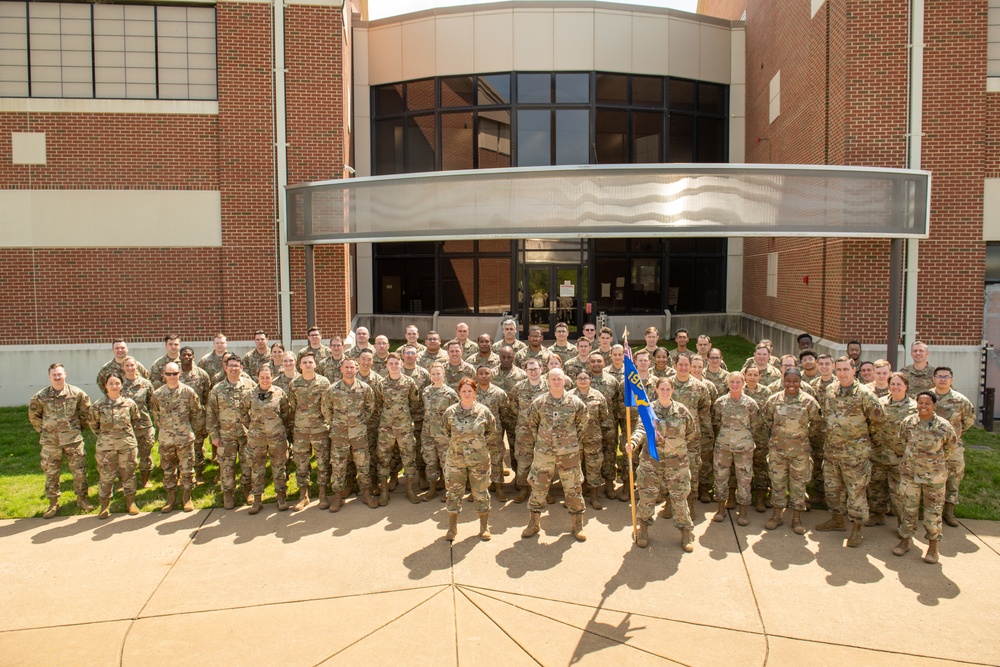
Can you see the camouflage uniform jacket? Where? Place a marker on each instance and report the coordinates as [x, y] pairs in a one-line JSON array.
[[225, 406], [266, 415], [112, 366], [927, 448], [468, 432], [887, 448], [452, 374], [760, 393], [733, 422], [60, 416], [418, 375], [879, 393], [140, 390], [713, 393], [114, 423], [573, 367], [919, 380], [211, 363], [469, 347], [378, 365], [958, 410], [221, 375], [564, 352], [436, 401], [521, 396], [178, 414], [426, 358], [401, 402], [373, 379], [719, 380], [283, 382], [493, 361], [676, 352], [305, 399], [495, 399], [330, 368], [156, 370], [517, 345], [613, 392], [791, 425], [616, 373], [507, 379], [419, 347], [676, 432], [851, 414], [349, 409], [199, 380], [525, 353], [600, 421], [779, 386], [695, 396], [820, 386], [554, 425], [322, 354], [252, 361]]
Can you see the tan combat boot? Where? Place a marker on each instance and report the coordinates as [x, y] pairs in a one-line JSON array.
[[171, 499], [452, 526], [797, 526], [227, 500], [758, 501], [500, 493], [949, 516], [595, 501], [903, 546], [393, 481], [522, 494], [84, 505], [667, 512], [336, 502], [303, 499], [130, 505], [731, 500], [687, 540], [324, 500], [257, 506], [431, 493], [484, 527], [411, 493], [836, 522], [641, 537], [281, 501], [578, 528], [534, 525], [855, 538], [875, 519], [367, 498], [248, 494], [187, 505], [624, 494], [703, 494], [105, 511], [144, 479], [720, 514], [932, 552], [775, 519], [609, 489], [741, 515], [52, 510], [383, 498]]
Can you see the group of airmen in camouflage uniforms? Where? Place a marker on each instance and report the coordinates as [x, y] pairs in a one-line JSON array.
[[888, 444]]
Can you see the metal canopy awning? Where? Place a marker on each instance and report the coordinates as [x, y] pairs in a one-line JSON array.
[[600, 201]]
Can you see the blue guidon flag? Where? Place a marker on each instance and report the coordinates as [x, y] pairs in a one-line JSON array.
[[635, 397]]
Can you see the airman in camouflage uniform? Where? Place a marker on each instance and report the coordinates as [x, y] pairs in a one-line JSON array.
[[929, 442], [734, 418], [506, 376], [958, 410], [820, 385], [613, 393], [468, 428], [790, 422], [374, 380], [851, 412], [533, 350], [562, 347], [887, 452], [381, 355], [455, 368], [329, 367], [113, 420], [310, 431], [682, 339], [267, 417], [59, 413], [581, 362], [140, 390], [600, 426], [401, 409], [509, 338], [693, 394], [436, 398], [919, 374], [433, 351], [172, 342], [120, 349], [676, 437], [484, 354], [348, 409], [553, 427], [494, 398], [227, 431], [211, 363], [284, 374], [411, 334], [521, 397], [258, 356], [320, 352], [788, 362], [469, 347], [197, 378], [422, 378], [715, 373], [179, 416], [761, 479]]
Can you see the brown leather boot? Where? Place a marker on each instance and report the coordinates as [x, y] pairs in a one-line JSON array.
[[430, 494], [903, 546], [855, 538], [144, 479], [720, 514], [641, 536], [578, 528], [932, 552], [836, 522], [324, 500], [534, 525], [228, 502], [522, 494], [875, 519], [105, 511], [303, 499], [775, 519], [741, 515], [595, 501], [52, 510], [484, 527], [187, 505], [367, 498], [411, 493], [336, 502], [500, 493], [171, 499], [281, 501], [758, 501], [797, 526], [949, 517], [452, 526], [130, 505]]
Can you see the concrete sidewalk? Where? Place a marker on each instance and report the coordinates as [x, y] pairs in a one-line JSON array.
[[378, 587]]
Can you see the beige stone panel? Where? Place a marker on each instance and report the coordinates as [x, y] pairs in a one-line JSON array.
[[55, 105], [784, 651], [991, 209], [737, 100], [533, 40], [650, 44], [685, 48], [612, 41], [987, 531], [574, 40], [91, 644], [714, 54], [494, 41], [737, 140], [385, 54], [481, 640], [418, 49], [360, 45], [363, 144], [738, 55], [27, 147], [455, 48]]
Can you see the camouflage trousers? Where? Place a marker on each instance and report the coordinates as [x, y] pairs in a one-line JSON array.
[[674, 477], [883, 489], [509, 427], [113, 463], [389, 437], [434, 448], [544, 468], [372, 454], [525, 456], [495, 446], [956, 473], [199, 449], [819, 484], [707, 446], [609, 465], [228, 450], [304, 445], [723, 459], [909, 500], [145, 440], [259, 450], [343, 452], [694, 463], [177, 461], [474, 470], [790, 474], [761, 472], [593, 460], [52, 456], [847, 479]]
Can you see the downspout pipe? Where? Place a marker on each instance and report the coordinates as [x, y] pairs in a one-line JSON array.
[[914, 146], [281, 168]]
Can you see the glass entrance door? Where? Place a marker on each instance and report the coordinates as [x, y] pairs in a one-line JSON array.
[[554, 294]]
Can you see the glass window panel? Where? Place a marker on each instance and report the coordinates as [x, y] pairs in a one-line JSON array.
[[420, 95], [494, 89], [647, 245], [201, 61], [610, 245], [611, 127], [165, 14], [389, 147], [405, 287], [420, 143], [494, 245], [494, 283], [47, 75], [682, 95], [111, 74], [494, 139], [534, 137], [457, 91], [389, 99], [711, 140], [79, 43], [681, 145], [457, 141], [612, 89], [458, 285], [201, 45], [572, 88], [140, 44], [711, 98], [697, 285], [534, 88], [572, 136], [463, 246], [141, 28], [647, 91], [645, 285], [647, 136], [612, 276]]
